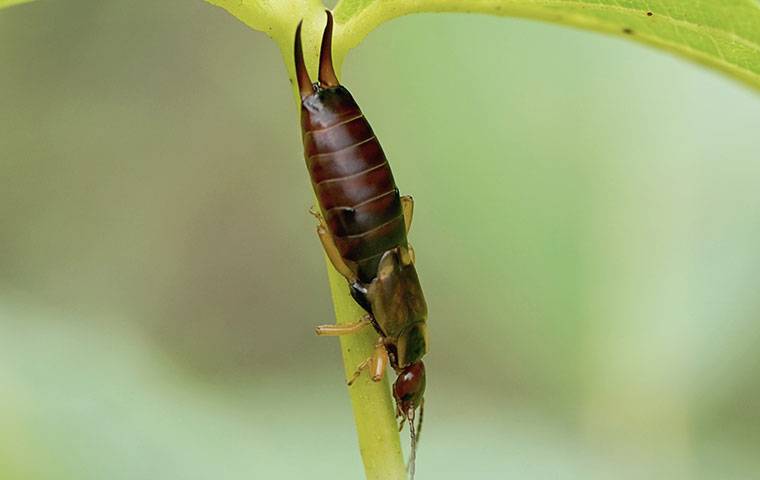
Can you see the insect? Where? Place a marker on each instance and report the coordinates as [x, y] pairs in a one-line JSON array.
[[363, 226]]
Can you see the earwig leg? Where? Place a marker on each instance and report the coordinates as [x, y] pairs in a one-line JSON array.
[[406, 254], [330, 249], [379, 361], [376, 362], [344, 329], [334, 255], [407, 205], [358, 371]]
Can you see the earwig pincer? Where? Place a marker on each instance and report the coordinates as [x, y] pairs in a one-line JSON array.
[[363, 227]]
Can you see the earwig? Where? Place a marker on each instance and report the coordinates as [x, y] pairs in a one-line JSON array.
[[363, 226]]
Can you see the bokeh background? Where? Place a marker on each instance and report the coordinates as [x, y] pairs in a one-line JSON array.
[[587, 227]]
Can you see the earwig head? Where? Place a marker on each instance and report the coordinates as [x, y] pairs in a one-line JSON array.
[[409, 388], [327, 77], [409, 391]]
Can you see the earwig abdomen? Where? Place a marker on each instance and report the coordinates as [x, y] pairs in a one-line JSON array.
[[352, 179]]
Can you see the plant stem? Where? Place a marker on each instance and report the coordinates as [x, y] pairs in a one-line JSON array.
[[371, 401]]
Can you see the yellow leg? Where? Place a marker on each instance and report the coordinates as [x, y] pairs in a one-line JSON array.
[[377, 362], [330, 249], [406, 255], [344, 329], [358, 371], [407, 205]]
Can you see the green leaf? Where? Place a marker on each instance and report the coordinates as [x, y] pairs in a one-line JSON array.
[[723, 34], [8, 3]]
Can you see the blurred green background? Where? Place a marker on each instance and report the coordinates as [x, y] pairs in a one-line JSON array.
[[587, 227]]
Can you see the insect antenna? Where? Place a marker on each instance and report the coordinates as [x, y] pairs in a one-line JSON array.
[[327, 77], [419, 422], [413, 449], [302, 75]]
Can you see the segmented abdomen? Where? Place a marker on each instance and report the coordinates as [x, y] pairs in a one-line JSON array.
[[352, 180]]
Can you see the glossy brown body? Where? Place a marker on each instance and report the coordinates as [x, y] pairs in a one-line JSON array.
[[352, 179]]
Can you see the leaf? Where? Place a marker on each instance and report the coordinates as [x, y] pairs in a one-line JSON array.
[[8, 3], [723, 34], [278, 19]]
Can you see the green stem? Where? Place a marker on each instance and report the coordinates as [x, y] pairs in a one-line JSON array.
[[372, 403], [374, 412]]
